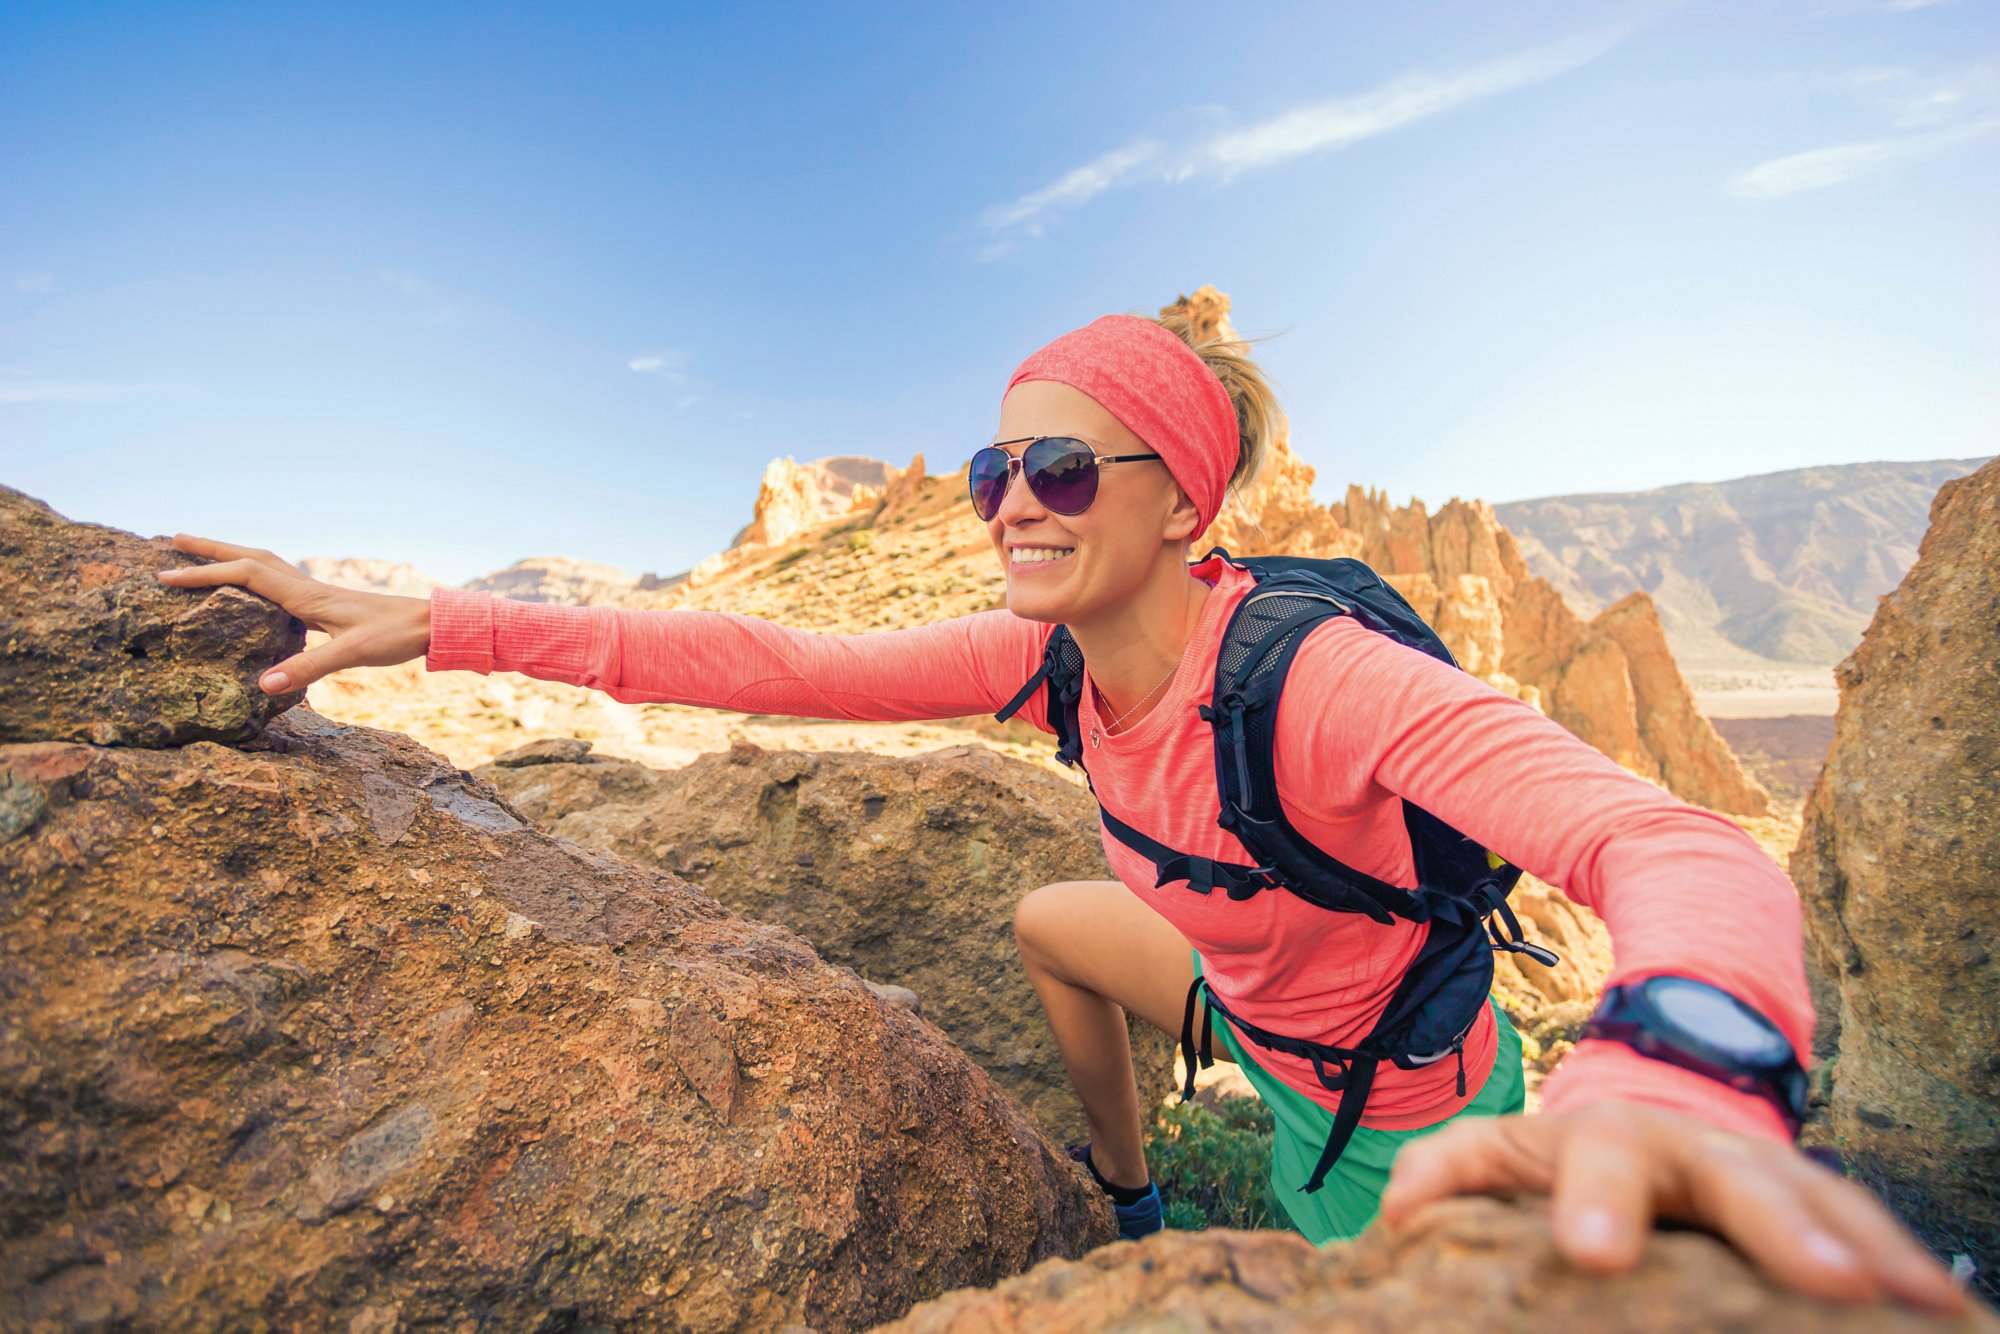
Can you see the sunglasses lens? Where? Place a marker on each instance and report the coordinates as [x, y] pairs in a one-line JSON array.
[[988, 478], [1062, 473]]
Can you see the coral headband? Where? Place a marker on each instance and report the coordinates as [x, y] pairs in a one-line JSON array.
[[1160, 388]]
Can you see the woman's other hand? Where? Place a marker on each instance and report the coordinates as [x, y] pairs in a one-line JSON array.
[[1613, 1167], [367, 629]]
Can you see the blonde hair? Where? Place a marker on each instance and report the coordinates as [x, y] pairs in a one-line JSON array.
[[1259, 420]]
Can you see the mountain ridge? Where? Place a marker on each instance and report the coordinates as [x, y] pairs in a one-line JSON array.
[[1773, 568]]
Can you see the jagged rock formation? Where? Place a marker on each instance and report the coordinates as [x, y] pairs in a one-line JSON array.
[[318, 1032], [369, 576], [1785, 566], [93, 647], [1461, 1265], [794, 496], [1899, 869], [921, 554], [907, 870]]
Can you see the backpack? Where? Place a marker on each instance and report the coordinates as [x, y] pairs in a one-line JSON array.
[[1462, 886]]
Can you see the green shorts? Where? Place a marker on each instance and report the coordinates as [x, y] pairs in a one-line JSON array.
[[1347, 1200]]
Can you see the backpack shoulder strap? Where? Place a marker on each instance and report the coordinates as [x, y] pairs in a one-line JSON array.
[[1458, 879], [1258, 644], [1062, 672]]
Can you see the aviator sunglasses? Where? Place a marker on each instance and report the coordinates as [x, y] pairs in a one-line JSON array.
[[1061, 473]]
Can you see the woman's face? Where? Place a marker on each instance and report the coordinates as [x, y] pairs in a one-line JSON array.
[[1070, 567]]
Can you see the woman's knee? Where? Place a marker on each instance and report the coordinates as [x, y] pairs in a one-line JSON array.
[[1043, 916]]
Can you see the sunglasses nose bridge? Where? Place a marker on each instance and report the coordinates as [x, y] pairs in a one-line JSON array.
[[1019, 497]]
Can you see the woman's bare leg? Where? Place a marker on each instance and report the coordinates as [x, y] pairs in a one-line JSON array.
[[1094, 951]]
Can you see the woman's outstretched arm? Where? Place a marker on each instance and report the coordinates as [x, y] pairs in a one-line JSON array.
[[1681, 890], [1624, 1138], [723, 660]]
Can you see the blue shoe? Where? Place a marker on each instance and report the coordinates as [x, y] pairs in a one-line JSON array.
[[1142, 1217]]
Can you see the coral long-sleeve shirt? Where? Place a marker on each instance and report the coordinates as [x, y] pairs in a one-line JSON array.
[[1364, 723]]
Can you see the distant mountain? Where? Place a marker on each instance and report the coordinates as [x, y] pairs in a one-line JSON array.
[[536, 579], [1786, 566], [369, 576]]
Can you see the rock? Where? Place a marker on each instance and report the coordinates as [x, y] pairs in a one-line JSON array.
[[1899, 870], [319, 1033], [94, 648], [896, 995], [1468, 1264], [1690, 753], [795, 496], [549, 750], [906, 870]]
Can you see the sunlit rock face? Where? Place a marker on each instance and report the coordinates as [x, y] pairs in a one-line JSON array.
[[1899, 868], [1468, 1264]]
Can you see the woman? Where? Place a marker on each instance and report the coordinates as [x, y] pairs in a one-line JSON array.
[[1116, 445]]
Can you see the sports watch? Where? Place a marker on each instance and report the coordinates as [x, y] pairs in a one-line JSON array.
[[1705, 1029]]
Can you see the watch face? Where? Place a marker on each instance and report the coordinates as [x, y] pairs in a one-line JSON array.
[[1718, 1019]]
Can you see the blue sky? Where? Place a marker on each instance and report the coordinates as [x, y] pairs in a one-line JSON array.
[[458, 285]]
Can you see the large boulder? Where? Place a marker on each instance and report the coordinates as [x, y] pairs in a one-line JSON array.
[[318, 1032], [906, 869], [1899, 869], [1463, 1265], [93, 647], [321, 1028]]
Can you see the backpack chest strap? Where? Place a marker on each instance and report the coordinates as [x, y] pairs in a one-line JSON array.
[[1203, 874]]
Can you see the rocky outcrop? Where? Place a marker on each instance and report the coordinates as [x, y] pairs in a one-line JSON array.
[[1462, 1265], [907, 870], [319, 1032], [1899, 869], [93, 647], [794, 496]]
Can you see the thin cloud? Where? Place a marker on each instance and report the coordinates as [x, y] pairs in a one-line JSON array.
[[1314, 128], [1945, 113], [1822, 167], [666, 365]]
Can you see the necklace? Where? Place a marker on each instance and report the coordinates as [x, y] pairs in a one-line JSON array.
[[1112, 726], [1097, 737]]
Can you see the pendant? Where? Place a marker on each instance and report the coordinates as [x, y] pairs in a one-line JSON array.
[[1096, 738]]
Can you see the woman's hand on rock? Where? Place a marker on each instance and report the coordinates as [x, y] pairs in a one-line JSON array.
[[1613, 1167], [367, 629]]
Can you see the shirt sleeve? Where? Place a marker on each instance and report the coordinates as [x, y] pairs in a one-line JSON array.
[[723, 660], [1681, 890]]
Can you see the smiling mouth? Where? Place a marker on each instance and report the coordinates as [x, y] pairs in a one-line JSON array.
[[1039, 555]]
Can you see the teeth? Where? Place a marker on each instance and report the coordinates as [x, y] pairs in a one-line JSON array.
[[1039, 555]]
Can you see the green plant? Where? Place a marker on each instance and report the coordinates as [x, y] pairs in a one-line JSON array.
[[1213, 1164], [797, 554]]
